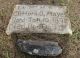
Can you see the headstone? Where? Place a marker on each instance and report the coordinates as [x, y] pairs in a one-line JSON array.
[[41, 48], [39, 19]]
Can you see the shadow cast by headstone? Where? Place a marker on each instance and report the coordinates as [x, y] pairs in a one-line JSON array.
[[39, 2]]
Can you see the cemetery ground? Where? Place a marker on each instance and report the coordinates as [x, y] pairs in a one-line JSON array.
[[69, 43]]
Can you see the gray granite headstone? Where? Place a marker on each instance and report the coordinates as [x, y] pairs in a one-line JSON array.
[[39, 19], [41, 48]]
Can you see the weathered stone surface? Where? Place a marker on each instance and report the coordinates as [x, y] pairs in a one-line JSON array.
[[39, 19], [41, 48]]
